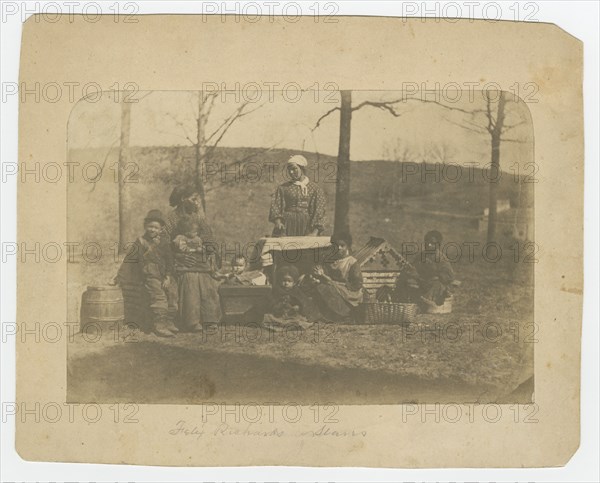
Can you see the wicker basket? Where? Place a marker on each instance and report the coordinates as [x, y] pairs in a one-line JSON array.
[[388, 313]]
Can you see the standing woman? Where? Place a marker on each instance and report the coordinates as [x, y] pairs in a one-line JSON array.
[[198, 290], [298, 206]]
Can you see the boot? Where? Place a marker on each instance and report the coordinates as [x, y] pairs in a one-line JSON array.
[[171, 325], [161, 327]]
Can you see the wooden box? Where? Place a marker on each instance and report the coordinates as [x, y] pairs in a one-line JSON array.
[[241, 303]]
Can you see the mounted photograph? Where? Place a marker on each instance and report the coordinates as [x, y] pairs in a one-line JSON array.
[[363, 247]]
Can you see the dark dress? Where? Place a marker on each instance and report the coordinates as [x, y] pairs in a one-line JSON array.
[[301, 213], [287, 309], [198, 290], [339, 297]]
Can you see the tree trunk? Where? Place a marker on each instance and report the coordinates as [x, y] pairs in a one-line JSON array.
[[123, 160], [200, 148], [496, 135], [493, 197], [342, 192]]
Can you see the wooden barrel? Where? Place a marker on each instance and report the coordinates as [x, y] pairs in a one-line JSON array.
[[101, 305]]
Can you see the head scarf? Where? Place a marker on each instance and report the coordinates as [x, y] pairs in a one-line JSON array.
[[301, 161], [181, 192]]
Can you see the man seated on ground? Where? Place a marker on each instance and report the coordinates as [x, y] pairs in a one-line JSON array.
[[430, 276]]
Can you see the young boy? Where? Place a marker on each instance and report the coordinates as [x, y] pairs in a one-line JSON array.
[[153, 259]]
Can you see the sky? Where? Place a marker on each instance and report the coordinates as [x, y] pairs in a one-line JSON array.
[[286, 119]]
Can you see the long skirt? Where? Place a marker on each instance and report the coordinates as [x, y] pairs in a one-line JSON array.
[[198, 300], [332, 305], [296, 223]]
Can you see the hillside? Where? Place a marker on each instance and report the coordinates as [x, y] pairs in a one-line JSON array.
[[389, 199]]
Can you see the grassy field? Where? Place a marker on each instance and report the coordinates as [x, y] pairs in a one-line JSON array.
[[480, 352]]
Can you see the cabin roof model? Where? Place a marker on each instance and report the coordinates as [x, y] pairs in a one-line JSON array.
[[379, 255]]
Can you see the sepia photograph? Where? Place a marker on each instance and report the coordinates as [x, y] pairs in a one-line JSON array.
[[362, 247], [325, 241]]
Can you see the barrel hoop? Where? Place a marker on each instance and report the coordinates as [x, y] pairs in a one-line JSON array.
[[103, 302], [104, 319]]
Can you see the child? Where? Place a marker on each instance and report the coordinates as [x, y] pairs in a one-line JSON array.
[[188, 241], [152, 263], [189, 247], [288, 303], [240, 276]]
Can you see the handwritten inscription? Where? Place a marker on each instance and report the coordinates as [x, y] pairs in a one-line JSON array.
[[197, 431]]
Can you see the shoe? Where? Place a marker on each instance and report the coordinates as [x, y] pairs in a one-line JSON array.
[[162, 332]]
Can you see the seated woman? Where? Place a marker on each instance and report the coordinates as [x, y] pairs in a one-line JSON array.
[[288, 306], [337, 286]]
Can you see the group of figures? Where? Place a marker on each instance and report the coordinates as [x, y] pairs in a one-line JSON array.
[[174, 270]]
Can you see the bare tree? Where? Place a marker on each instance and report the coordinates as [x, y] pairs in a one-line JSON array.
[[123, 161], [204, 143], [489, 119], [342, 192], [342, 187]]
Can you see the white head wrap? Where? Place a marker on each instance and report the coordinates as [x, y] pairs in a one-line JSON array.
[[299, 160]]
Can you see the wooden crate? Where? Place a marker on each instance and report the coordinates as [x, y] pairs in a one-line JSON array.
[[243, 303], [372, 280]]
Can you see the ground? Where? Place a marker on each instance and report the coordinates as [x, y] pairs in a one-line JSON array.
[[464, 356]]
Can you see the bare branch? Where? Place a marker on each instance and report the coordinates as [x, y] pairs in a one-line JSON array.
[[491, 122], [187, 138], [144, 96], [241, 161], [227, 122], [507, 127], [210, 104], [239, 113], [112, 145], [445, 106], [520, 141], [181, 125], [385, 105], [331, 111], [469, 126]]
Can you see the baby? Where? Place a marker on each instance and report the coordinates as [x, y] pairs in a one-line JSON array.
[[188, 241], [239, 274]]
